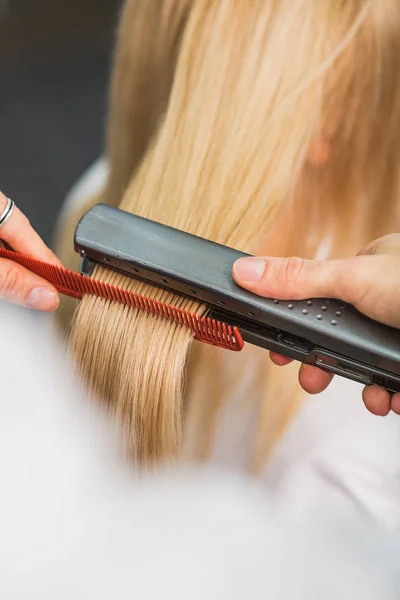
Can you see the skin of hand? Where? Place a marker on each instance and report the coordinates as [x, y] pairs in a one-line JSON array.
[[370, 281], [17, 284]]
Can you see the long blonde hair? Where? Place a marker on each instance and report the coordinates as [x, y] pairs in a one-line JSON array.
[[215, 109]]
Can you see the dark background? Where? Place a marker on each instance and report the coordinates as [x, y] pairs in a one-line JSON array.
[[55, 57]]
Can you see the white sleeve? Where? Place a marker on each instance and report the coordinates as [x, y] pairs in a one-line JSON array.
[[338, 455], [76, 523]]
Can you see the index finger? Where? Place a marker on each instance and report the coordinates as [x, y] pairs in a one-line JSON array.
[[21, 237], [388, 244]]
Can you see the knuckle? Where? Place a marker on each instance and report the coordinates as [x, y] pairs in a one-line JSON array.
[[357, 283], [10, 278], [292, 269], [388, 244]]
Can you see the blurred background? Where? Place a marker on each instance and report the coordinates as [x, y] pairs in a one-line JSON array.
[[55, 57]]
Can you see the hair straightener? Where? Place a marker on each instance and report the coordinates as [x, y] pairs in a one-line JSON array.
[[324, 332]]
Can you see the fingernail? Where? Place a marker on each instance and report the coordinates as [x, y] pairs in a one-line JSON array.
[[250, 269], [42, 298]]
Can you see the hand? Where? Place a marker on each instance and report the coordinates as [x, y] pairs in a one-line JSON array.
[[18, 285], [370, 281]]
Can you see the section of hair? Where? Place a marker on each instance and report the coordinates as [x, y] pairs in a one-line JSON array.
[[144, 64]]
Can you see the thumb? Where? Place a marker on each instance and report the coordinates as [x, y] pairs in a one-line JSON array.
[[371, 283], [21, 287]]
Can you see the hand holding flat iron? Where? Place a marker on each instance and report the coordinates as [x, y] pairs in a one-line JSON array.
[[370, 281], [18, 285]]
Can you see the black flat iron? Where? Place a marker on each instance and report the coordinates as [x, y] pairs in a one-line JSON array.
[[324, 332]]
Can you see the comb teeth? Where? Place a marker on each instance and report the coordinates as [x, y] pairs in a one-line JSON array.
[[75, 285]]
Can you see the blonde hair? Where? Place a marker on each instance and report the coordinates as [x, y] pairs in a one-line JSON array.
[[215, 107]]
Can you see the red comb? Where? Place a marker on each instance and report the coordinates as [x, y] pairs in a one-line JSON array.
[[73, 284]]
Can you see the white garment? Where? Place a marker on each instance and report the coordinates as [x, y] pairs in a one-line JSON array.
[[335, 454], [75, 522]]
